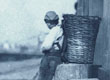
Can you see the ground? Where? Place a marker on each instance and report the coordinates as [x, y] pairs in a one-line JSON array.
[[18, 66]]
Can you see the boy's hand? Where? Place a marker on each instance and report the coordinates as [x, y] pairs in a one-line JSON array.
[[44, 50]]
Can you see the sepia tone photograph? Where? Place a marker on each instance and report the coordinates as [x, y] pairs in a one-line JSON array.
[[54, 40]]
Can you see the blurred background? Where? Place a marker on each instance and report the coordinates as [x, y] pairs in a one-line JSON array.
[[21, 22]]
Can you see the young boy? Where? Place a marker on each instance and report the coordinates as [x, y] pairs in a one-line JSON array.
[[51, 47]]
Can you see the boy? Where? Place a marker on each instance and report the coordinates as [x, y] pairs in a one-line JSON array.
[[51, 47]]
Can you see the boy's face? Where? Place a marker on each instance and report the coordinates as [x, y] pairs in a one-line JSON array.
[[50, 26], [51, 23]]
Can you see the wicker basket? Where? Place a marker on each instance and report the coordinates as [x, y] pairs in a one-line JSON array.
[[81, 33]]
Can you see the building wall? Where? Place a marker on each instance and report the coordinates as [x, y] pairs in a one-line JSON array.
[[103, 43], [100, 8], [103, 40]]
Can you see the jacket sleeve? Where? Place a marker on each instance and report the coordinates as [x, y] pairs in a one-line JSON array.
[[50, 38]]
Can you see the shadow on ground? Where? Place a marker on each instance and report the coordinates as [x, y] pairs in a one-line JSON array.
[[17, 57]]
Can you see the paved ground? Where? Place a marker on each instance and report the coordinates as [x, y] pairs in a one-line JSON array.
[[18, 67]]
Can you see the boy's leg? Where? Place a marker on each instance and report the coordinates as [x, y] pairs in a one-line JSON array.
[[53, 62], [43, 68]]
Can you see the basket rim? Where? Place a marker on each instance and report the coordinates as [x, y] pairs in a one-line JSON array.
[[73, 15]]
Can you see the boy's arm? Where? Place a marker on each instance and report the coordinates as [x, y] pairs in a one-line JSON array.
[[50, 38]]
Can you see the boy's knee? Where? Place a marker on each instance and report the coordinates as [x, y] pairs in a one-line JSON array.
[[52, 64]]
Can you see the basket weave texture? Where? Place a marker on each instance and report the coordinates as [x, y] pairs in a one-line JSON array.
[[81, 33]]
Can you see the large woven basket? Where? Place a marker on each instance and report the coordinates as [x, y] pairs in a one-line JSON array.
[[81, 33]]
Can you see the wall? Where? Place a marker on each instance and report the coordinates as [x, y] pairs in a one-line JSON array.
[[103, 43], [100, 8]]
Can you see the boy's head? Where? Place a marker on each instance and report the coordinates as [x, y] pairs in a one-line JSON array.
[[51, 19]]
